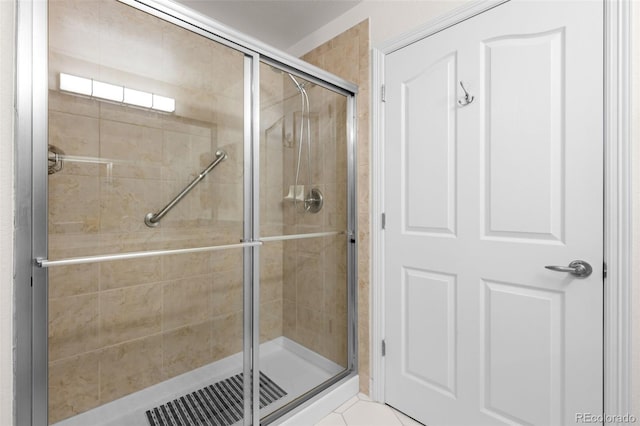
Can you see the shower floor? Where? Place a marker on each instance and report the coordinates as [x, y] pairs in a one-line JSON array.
[[293, 367]]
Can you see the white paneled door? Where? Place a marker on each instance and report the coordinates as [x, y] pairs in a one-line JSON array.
[[480, 195]]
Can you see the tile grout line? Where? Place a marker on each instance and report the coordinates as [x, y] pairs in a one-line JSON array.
[[98, 351], [396, 415], [396, 412]]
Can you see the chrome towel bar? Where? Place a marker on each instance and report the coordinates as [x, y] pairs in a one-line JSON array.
[[300, 236], [45, 263], [152, 219]]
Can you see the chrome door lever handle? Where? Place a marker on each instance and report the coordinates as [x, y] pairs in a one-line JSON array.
[[578, 268], [561, 268]]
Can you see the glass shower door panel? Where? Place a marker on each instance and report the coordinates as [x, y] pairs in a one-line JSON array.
[[140, 110], [303, 226]]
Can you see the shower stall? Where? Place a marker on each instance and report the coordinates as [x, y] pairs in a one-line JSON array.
[[196, 260]]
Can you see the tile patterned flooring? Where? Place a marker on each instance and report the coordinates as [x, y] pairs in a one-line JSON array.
[[362, 411]]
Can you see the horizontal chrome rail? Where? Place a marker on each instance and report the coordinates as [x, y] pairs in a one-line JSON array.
[[152, 219], [302, 236], [44, 263]]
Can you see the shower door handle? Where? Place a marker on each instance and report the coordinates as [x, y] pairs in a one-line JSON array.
[[578, 268]]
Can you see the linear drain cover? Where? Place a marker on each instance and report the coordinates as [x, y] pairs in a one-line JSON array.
[[218, 404]]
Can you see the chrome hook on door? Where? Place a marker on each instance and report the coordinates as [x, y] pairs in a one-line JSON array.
[[467, 98]]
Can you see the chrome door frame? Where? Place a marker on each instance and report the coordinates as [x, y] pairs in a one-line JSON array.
[[30, 282]]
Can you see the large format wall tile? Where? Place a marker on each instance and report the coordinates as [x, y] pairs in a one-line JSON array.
[[129, 367], [134, 149], [130, 312], [74, 386], [187, 348], [74, 204], [186, 301], [73, 280], [124, 202], [227, 292], [73, 325], [227, 335]]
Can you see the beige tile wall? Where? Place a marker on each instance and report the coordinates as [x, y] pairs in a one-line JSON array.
[[117, 327], [347, 56]]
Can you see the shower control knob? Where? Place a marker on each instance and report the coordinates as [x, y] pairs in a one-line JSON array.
[[314, 201]]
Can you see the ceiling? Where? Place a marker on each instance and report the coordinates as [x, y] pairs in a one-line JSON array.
[[280, 23]]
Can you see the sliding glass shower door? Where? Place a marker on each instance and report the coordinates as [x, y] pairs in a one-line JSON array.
[[200, 226], [146, 280], [304, 228]]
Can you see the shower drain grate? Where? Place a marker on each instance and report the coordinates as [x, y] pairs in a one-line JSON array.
[[218, 404]]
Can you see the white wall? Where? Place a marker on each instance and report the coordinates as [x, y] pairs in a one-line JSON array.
[[387, 19], [7, 9], [635, 151]]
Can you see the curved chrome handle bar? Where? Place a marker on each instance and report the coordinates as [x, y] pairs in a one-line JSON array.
[[152, 219]]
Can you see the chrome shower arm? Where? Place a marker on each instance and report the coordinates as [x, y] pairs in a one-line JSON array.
[[152, 219]]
